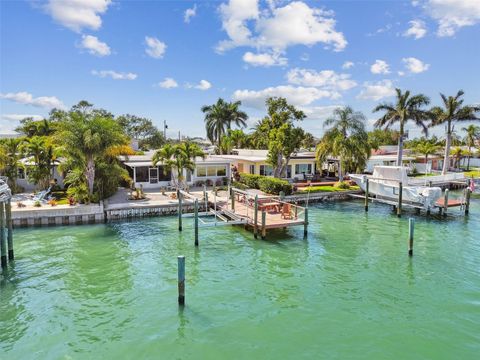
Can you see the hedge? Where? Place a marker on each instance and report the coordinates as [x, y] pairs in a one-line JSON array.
[[274, 186], [250, 180]]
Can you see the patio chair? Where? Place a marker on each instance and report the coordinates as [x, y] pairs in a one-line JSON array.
[[287, 211]]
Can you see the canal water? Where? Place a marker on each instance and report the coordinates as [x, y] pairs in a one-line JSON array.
[[348, 290]]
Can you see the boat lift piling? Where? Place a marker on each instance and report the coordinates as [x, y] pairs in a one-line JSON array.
[[400, 193], [6, 224], [181, 280], [411, 225], [366, 195], [3, 245]]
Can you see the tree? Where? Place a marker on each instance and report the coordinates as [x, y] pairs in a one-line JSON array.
[[308, 141], [453, 111], [473, 134], [406, 108], [11, 152], [457, 154], [87, 135], [238, 137], [220, 117], [346, 139], [426, 148], [143, 130], [43, 154], [180, 157], [381, 137]]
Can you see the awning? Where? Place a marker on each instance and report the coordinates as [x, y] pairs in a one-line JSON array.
[[133, 164]]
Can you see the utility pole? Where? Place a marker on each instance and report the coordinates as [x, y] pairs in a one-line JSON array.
[[165, 127]]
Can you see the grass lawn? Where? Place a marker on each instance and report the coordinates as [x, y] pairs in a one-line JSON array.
[[326, 188], [475, 173]]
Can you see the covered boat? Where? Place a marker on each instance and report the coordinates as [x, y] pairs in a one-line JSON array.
[[385, 183], [5, 192]]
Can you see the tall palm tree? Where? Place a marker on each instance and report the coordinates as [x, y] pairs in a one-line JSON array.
[[407, 107], [453, 111], [346, 139], [426, 148], [220, 117], [473, 134], [457, 154]]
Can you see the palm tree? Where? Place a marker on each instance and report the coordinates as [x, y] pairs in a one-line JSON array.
[[406, 108], [238, 137], [426, 148], [457, 154], [473, 134], [219, 118], [11, 152], [452, 112], [346, 139]]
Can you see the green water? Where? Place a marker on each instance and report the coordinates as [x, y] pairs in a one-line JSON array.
[[348, 291]]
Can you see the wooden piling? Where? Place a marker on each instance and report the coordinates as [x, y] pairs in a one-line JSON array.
[[195, 209], [3, 247], [411, 225], [467, 200], [400, 193], [366, 195], [305, 223], [8, 216], [233, 200], [445, 202], [255, 218], [264, 222], [181, 280], [179, 197]]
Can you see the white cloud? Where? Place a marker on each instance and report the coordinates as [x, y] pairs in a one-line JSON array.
[[168, 83], [377, 90], [95, 46], [202, 85], [298, 96], [155, 48], [277, 28], [319, 112], [380, 67], [326, 79], [48, 102], [264, 59], [348, 65], [190, 13], [114, 75], [414, 65], [452, 15], [417, 29], [77, 14], [18, 117]]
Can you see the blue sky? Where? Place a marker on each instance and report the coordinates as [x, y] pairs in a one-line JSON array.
[[165, 59]]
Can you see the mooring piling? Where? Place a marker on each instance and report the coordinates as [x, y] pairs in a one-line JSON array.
[[195, 209], [366, 195], [179, 197], [3, 247], [467, 200], [233, 201], [181, 280], [445, 202], [8, 213], [255, 217], [264, 221], [400, 193], [411, 225], [305, 223]]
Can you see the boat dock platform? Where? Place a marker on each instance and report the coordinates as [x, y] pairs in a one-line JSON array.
[[254, 211]]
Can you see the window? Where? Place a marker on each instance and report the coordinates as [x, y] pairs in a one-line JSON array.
[[221, 170], [289, 171], [266, 170], [142, 174], [162, 175], [252, 169], [211, 171], [303, 168], [201, 171]]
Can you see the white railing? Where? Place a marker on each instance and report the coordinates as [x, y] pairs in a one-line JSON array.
[[438, 179]]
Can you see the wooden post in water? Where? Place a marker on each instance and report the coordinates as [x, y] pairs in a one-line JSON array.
[[467, 200], [195, 209], [400, 193], [255, 217], [366, 195], [8, 216], [3, 247], [305, 223], [411, 225], [181, 280], [445, 202], [264, 222], [179, 197], [233, 200]]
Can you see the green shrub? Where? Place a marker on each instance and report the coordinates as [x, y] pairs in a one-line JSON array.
[[239, 185], [250, 180], [273, 186], [342, 185]]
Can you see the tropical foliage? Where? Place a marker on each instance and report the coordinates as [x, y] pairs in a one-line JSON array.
[[472, 135], [406, 108], [452, 111], [346, 139]]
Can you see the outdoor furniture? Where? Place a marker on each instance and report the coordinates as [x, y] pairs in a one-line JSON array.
[[287, 211], [269, 206]]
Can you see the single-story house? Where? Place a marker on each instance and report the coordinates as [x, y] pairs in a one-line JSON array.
[[387, 160], [22, 176], [143, 172]]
